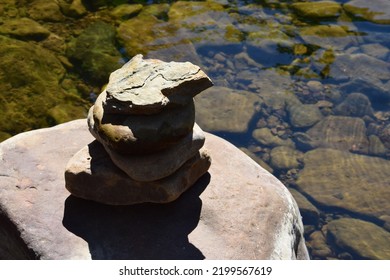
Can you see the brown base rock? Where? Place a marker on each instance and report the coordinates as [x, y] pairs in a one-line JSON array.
[[235, 211]]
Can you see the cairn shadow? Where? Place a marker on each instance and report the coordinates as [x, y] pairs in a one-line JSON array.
[[145, 231]]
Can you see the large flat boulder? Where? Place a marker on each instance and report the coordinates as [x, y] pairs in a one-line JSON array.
[[235, 211]]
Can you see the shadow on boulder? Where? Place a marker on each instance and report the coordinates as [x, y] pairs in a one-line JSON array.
[[143, 231]]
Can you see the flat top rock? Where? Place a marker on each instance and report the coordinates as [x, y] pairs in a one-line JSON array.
[[236, 211], [151, 84]]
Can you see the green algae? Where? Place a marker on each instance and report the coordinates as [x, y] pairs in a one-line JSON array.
[[29, 86], [24, 28], [317, 10], [95, 53]]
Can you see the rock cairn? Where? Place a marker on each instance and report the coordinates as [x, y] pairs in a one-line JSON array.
[[148, 147]]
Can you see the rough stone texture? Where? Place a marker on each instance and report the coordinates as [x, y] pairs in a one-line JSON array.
[[147, 86], [369, 80], [376, 146], [225, 109], [30, 89], [45, 11], [91, 174], [237, 211], [352, 182], [328, 36], [364, 240], [344, 133], [146, 168], [140, 134], [94, 52]]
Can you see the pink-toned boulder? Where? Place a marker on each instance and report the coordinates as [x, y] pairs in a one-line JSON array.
[[235, 211]]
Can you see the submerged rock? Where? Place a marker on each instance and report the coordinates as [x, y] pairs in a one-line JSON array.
[[266, 137], [364, 240], [30, 88], [284, 157], [45, 11], [328, 36], [377, 11], [338, 132], [355, 183], [95, 52], [355, 105], [24, 28], [303, 115], [376, 146], [317, 10], [225, 109]]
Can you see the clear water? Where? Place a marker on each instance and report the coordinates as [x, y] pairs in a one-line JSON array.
[[306, 93]]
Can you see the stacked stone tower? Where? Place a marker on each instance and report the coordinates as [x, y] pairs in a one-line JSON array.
[[148, 147]]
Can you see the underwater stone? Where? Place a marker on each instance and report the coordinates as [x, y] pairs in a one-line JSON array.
[[24, 28], [377, 11], [352, 182], [363, 239], [226, 109], [317, 10]]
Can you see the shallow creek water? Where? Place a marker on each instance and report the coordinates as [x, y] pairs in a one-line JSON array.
[[302, 87]]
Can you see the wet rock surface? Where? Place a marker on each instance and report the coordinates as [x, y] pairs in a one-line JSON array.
[[344, 180]]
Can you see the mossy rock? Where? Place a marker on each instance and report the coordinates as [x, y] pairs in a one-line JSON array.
[[265, 137], [324, 31], [317, 10], [138, 34], [45, 10], [126, 11], [29, 86], [95, 52], [340, 132], [182, 10], [25, 29], [66, 112], [160, 11]]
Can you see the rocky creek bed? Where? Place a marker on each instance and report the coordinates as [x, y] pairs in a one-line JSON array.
[[302, 87]]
